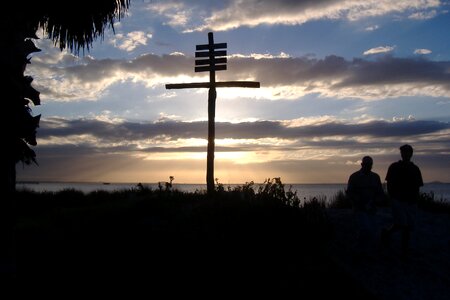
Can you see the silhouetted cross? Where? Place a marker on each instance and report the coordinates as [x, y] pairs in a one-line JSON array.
[[211, 64]]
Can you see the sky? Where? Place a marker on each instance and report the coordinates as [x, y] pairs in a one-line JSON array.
[[339, 80]]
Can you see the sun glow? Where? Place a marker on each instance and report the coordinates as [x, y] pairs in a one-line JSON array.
[[233, 93], [237, 157]]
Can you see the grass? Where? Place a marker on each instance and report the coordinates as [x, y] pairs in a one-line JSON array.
[[426, 202], [251, 237], [241, 237]]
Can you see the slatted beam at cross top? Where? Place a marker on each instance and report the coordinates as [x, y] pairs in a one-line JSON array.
[[212, 58]]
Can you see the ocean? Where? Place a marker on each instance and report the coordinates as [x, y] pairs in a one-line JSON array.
[[304, 191]]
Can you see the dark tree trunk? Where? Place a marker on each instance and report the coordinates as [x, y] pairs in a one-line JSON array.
[[19, 130], [8, 181], [7, 218]]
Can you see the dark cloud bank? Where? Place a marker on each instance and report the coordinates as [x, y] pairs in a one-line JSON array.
[[332, 72], [132, 133]]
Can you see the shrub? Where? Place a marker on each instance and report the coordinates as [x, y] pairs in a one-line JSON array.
[[340, 200], [428, 202]]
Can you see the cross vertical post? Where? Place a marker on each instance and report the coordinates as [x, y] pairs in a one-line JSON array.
[[211, 65], [212, 94]]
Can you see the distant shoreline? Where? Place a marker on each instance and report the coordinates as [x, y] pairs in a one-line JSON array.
[[184, 183]]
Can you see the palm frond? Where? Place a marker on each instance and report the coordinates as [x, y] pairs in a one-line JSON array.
[[73, 25]]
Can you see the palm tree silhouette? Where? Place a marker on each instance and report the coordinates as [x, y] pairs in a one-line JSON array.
[[70, 25]]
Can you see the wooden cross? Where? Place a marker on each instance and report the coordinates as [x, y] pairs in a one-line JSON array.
[[211, 65]]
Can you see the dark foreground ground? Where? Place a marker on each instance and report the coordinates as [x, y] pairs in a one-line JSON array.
[[423, 274], [176, 244], [179, 244]]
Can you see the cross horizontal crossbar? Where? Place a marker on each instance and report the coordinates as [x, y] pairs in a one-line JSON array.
[[244, 84], [201, 62], [211, 68], [213, 53], [208, 46]]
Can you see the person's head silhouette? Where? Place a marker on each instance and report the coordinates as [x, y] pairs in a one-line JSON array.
[[366, 164], [406, 152]]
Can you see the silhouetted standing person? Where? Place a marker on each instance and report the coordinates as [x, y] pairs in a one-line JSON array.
[[363, 189], [404, 180]]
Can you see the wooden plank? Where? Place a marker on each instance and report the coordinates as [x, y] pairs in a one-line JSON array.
[[214, 53], [201, 62], [244, 84], [209, 68], [214, 46], [188, 85]]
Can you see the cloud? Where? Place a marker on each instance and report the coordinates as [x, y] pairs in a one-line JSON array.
[[63, 77], [377, 50], [131, 40], [334, 76], [177, 13], [260, 56], [114, 132], [251, 13], [422, 51], [372, 28], [89, 149], [423, 15]]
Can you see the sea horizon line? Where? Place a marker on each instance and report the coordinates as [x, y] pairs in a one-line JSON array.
[[186, 183]]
